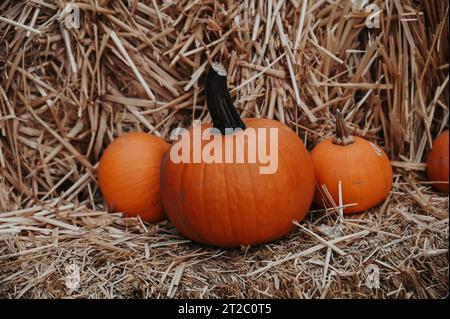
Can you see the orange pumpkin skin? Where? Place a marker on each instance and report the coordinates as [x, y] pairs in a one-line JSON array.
[[129, 173], [364, 170], [437, 162], [232, 204]]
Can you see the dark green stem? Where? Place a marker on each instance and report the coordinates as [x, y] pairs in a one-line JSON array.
[[220, 105], [342, 137]]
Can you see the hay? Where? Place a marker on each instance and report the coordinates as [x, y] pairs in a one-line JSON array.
[[138, 65]]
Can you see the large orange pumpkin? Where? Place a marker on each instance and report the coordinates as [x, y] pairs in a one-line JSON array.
[[363, 169], [229, 204], [437, 162], [129, 173]]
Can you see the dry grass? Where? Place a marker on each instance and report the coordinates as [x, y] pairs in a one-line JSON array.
[[138, 65]]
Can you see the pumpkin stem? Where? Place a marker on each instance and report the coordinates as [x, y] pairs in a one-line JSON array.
[[220, 105], [342, 136]]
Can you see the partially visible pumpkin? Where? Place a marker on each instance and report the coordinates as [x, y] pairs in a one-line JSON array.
[[231, 204], [129, 173], [437, 162], [363, 169]]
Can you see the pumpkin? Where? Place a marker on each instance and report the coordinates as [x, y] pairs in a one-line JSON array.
[[129, 174], [232, 203], [437, 162], [362, 168]]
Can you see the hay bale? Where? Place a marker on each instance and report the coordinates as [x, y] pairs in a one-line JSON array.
[[138, 65]]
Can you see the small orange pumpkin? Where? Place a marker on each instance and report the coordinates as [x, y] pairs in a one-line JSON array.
[[363, 169], [231, 203], [129, 173], [437, 162]]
